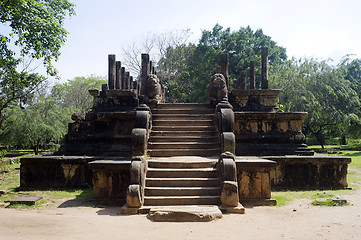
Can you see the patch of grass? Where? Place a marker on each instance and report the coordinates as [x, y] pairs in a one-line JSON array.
[[10, 182], [355, 156], [329, 203], [40, 203], [285, 197]]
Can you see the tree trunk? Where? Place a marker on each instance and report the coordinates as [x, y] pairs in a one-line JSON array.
[[320, 138], [343, 140], [36, 150]]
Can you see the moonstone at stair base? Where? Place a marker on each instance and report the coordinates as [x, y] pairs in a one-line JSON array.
[[184, 214]]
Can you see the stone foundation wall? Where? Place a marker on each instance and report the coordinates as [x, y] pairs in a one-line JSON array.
[[55, 172], [309, 172], [269, 133], [111, 179], [253, 175]]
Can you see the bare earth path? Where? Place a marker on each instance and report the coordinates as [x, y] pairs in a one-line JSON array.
[[298, 220]]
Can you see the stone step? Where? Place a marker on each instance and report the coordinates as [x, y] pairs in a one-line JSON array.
[[182, 162], [182, 138], [182, 173], [185, 129], [183, 106], [181, 200], [183, 145], [191, 116], [182, 182], [184, 213], [183, 152], [183, 111], [180, 122], [182, 191]]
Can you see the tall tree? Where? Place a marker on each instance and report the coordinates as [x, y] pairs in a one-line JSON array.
[[42, 123], [74, 93], [242, 46], [321, 90], [155, 44], [33, 29]]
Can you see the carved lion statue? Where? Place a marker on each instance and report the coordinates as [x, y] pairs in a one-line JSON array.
[[217, 89], [153, 88]]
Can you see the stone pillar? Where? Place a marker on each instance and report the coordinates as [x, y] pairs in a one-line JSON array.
[[264, 54], [111, 71], [243, 80], [135, 86], [252, 75], [224, 67], [118, 77], [144, 74], [131, 82], [126, 80], [122, 76]]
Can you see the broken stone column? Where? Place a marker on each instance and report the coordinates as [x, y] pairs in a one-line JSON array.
[[126, 80], [264, 54], [131, 82], [243, 80], [252, 75], [111, 71], [144, 73], [118, 76], [122, 76]]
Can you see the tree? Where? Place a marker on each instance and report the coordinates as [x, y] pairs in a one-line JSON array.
[[201, 61], [155, 44], [321, 90], [44, 122], [33, 30], [74, 93]]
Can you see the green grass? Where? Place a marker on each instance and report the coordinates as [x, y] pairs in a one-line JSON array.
[[329, 203], [10, 182], [285, 197]]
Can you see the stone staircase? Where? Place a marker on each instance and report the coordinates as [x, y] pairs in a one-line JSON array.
[[185, 129], [182, 181]]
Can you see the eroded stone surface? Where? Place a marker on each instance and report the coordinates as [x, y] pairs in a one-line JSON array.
[[184, 214], [25, 200]]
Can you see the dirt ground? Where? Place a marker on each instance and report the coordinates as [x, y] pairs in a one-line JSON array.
[[298, 220]]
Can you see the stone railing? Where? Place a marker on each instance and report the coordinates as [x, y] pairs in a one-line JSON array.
[[228, 180], [225, 126], [135, 192]]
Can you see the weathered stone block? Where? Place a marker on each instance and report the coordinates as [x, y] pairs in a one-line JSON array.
[[229, 194], [313, 172], [134, 196]]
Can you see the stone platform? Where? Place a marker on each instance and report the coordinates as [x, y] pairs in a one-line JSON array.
[[319, 171]]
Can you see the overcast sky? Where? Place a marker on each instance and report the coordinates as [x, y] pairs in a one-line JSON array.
[[321, 29]]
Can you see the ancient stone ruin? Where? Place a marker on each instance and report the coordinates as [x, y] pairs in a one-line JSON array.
[[137, 151]]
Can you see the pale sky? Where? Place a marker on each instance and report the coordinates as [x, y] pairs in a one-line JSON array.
[[320, 29]]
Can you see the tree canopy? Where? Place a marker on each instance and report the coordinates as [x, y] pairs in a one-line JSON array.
[[33, 31], [321, 90], [185, 70], [74, 93]]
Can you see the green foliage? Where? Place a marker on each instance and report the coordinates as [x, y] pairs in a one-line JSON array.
[[321, 90], [36, 28], [74, 93], [189, 67], [41, 123], [33, 30], [329, 203]]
